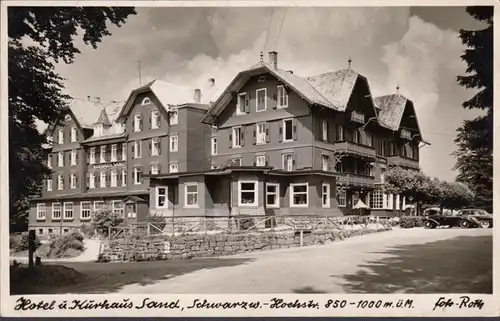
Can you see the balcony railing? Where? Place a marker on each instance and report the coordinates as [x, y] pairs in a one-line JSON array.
[[355, 179], [355, 149], [403, 162]]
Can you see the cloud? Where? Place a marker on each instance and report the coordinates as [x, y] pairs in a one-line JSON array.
[[190, 45]]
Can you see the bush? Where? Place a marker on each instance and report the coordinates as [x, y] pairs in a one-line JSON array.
[[158, 221], [246, 223], [68, 245], [410, 221], [87, 230], [105, 219], [19, 242]]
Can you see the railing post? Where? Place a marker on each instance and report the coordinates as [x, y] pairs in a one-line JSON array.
[[149, 229], [301, 238]]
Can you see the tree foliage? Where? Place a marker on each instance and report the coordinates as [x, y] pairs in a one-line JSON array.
[[104, 219], [475, 137], [40, 37]]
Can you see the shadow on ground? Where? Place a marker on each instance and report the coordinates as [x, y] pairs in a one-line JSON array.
[[428, 268], [307, 290], [110, 277]]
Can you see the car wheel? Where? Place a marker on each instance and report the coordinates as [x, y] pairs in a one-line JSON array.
[[429, 224], [485, 224], [465, 224]]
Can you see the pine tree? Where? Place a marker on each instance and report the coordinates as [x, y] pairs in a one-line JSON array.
[[40, 37], [475, 137]]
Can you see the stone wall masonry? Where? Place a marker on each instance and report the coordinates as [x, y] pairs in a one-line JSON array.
[[161, 247]]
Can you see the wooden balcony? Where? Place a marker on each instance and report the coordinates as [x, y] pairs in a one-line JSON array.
[[355, 180], [355, 149], [403, 162]]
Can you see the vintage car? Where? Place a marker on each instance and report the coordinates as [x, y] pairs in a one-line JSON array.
[[438, 220], [485, 219]]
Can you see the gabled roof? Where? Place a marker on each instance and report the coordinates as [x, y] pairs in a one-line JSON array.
[[335, 86], [331, 90], [170, 94], [391, 110], [103, 118], [87, 111]]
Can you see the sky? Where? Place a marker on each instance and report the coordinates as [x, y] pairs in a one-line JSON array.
[[417, 48]]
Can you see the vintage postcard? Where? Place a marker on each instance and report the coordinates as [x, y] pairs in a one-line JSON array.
[[247, 158]]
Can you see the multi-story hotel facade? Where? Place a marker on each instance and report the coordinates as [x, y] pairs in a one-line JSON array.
[[271, 143]]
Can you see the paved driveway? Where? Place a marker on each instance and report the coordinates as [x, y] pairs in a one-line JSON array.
[[400, 261]]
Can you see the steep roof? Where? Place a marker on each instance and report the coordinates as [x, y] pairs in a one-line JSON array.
[[332, 89], [391, 111], [87, 112], [103, 118]]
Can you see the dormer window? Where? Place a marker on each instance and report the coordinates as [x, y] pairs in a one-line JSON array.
[[174, 117], [98, 130], [146, 101], [261, 101], [242, 105]]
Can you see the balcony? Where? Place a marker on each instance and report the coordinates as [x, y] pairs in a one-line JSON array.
[[355, 149], [403, 162], [355, 180]]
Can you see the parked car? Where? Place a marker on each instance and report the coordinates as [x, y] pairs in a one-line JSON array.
[[438, 220], [485, 219]]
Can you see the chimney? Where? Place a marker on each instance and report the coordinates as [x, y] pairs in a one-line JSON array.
[[197, 95], [211, 82], [290, 71], [97, 99], [88, 98], [273, 59]]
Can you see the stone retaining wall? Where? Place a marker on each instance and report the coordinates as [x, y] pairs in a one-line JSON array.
[[148, 248]]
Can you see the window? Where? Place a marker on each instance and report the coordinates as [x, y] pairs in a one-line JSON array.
[[131, 210], [137, 123], [85, 210], [92, 155], [92, 180], [73, 180], [60, 182], [102, 155], [341, 198], [214, 145], [137, 175], [40, 211], [137, 149], [114, 153], [73, 134], [60, 159], [114, 178], [340, 133], [324, 130], [287, 162], [355, 136], [124, 151], [260, 160], [124, 177], [98, 130], [174, 143], [242, 104], [355, 198], [299, 195], [117, 207], [174, 117], [68, 211], [325, 195], [155, 146], [56, 211], [102, 179], [161, 197], [98, 205], [146, 101], [260, 133], [272, 195], [49, 161], [173, 168], [49, 184], [392, 149], [377, 199], [50, 231], [261, 102], [247, 194], [60, 136], [410, 152], [66, 230], [287, 130], [236, 137], [382, 174], [154, 119], [325, 163], [154, 169], [191, 195], [369, 139], [73, 157], [282, 97]]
